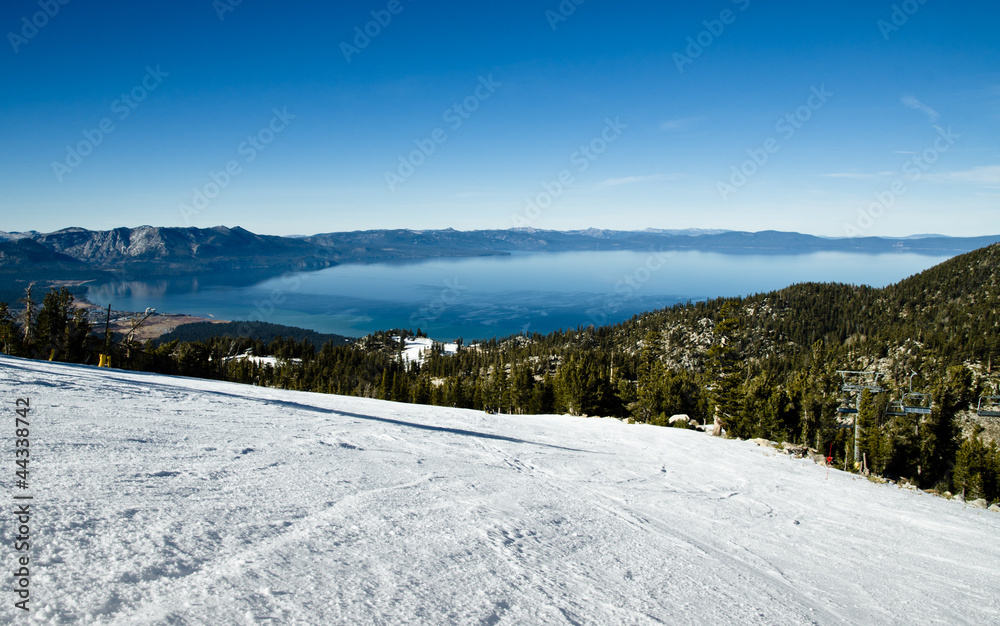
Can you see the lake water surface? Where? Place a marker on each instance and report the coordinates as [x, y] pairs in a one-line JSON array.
[[482, 297]]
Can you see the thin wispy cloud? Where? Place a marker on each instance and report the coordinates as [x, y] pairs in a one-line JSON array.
[[987, 175], [631, 180], [912, 103], [682, 123], [857, 175]]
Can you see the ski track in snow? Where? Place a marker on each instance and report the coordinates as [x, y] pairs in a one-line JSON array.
[[163, 500]]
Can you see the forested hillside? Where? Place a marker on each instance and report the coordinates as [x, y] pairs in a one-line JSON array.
[[263, 332], [763, 366]]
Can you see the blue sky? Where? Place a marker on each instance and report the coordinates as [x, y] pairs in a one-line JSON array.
[[830, 118]]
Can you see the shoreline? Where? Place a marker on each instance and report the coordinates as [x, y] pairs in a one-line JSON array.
[[157, 325]]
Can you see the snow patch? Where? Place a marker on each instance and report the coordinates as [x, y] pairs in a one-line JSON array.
[[414, 350], [261, 360]]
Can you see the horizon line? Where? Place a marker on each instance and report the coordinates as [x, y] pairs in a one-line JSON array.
[[691, 231]]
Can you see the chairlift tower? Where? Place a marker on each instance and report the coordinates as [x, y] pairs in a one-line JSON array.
[[855, 383]]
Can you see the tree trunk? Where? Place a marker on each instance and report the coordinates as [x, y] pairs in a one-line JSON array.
[[717, 427]]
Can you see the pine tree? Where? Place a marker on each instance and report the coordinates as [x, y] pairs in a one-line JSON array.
[[77, 331], [52, 324], [522, 383], [648, 406], [543, 397], [725, 373], [939, 434], [818, 389], [385, 386], [8, 330], [681, 395], [400, 387], [28, 321], [970, 461], [977, 470], [422, 391], [875, 443]]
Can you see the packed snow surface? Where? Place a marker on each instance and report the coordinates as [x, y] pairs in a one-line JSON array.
[[163, 500]]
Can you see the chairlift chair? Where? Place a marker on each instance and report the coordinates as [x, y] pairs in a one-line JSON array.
[[896, 408], [846, 406], [989, 406], [913, 403]]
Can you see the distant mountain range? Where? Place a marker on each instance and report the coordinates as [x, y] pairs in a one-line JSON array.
[[377, 244], [74, 253], [147, 249]]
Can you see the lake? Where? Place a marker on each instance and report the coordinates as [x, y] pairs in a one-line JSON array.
[[482, 297]]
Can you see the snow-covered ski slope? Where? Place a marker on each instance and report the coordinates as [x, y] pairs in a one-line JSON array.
[[162, 500]]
